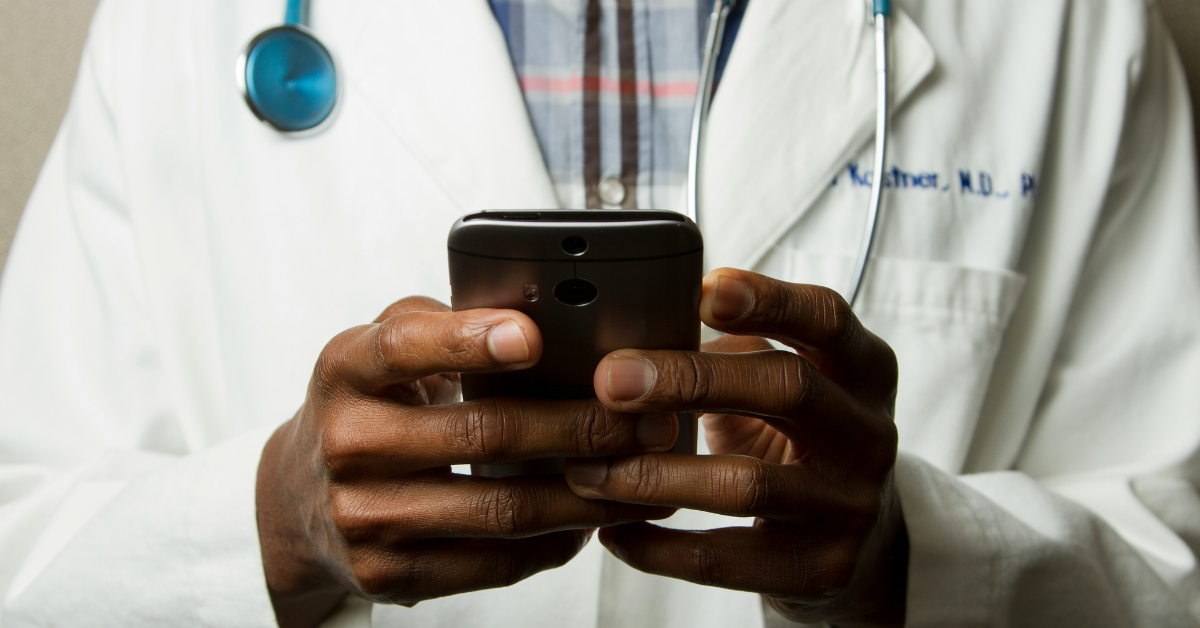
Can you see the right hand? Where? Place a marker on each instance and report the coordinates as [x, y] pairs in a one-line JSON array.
[[355, 493]]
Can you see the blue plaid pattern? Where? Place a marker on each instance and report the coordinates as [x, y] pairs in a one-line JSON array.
[[610, 85]]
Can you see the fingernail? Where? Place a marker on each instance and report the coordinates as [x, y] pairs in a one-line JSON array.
[[588, 472], [731, 300], [506, 343], [656, 431], [629, 379]]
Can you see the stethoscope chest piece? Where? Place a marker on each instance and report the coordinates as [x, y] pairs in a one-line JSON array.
[[289, 79]]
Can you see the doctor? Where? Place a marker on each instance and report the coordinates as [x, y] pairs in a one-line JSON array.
[[1028, 337]]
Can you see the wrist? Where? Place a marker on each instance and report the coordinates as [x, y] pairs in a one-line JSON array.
[[302, 590], [884, 599], [877, 598]]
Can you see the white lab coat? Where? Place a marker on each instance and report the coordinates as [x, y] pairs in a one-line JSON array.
[[180, 266]]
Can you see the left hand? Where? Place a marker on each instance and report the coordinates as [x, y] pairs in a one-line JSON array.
[[805, 443]]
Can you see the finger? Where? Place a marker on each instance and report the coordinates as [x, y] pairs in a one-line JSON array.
[[737, 486], [460, 506], [730, 343], [745, 559], [780, 387], [441, 388], [444, 567], [413, 304], [814, 320], [389, 440], [413, 345], [747, 436]]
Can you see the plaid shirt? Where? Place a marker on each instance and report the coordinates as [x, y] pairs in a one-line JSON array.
[[610, 85]]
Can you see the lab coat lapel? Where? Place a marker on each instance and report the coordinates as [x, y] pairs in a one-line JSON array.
[[440, 76], [796, 103]]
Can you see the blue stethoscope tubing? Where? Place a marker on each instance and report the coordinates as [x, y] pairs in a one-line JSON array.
[[881, 12], [289, 80], [287, 77]]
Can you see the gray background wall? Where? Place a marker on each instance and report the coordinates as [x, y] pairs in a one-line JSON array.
[[40, 43]]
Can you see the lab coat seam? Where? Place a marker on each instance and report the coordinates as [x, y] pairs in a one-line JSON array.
[[1033, 305], [113, 202], [211, 319], [946, 503], [477, 17], [991, 589], [418, 157], [906, 86], [1117, 203], [201, 605]]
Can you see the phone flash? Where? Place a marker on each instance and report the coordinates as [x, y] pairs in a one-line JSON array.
[[531, 292]]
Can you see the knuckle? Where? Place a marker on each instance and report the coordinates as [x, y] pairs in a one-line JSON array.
[[350, 516], [464, 340], [889, 365], [396, 309], [505, 570], [348, 440], [748, 484], [889, 444], [800, 384], [832, 319], [588, 420], [595, 429], [646, 479], [412, 304], [863, 508], [327, 373], [392, 344], [704, 563], [482, 430], [342, 448], [508, 569], [511, 570], [837, 564], [693, 380], [835, 314], [507, 510], [372, 581], [383, 577], [879, 449], [780, 304]]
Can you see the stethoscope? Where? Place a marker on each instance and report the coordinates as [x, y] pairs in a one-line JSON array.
[[289, 79]]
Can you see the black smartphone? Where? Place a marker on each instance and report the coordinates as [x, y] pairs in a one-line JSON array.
[[594, 281]]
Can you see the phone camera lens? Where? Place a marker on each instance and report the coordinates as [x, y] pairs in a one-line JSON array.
[[574, 245], [576, 292]]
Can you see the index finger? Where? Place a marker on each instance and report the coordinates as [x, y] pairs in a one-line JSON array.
[[417, 344], [815, 321]]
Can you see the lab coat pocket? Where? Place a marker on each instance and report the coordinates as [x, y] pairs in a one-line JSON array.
[[946, 323]]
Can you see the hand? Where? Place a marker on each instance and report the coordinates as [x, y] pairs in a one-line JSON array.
[[809, 447], [356, 495]]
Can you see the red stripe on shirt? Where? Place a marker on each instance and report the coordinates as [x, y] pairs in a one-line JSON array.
[[535, 84]]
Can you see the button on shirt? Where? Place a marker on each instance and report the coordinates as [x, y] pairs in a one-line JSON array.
[[610, 86]]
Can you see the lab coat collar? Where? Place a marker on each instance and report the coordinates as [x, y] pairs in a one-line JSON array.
[[796, 103], [440, 76]]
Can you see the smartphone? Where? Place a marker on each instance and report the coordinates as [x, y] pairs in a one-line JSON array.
[[594, 281]]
